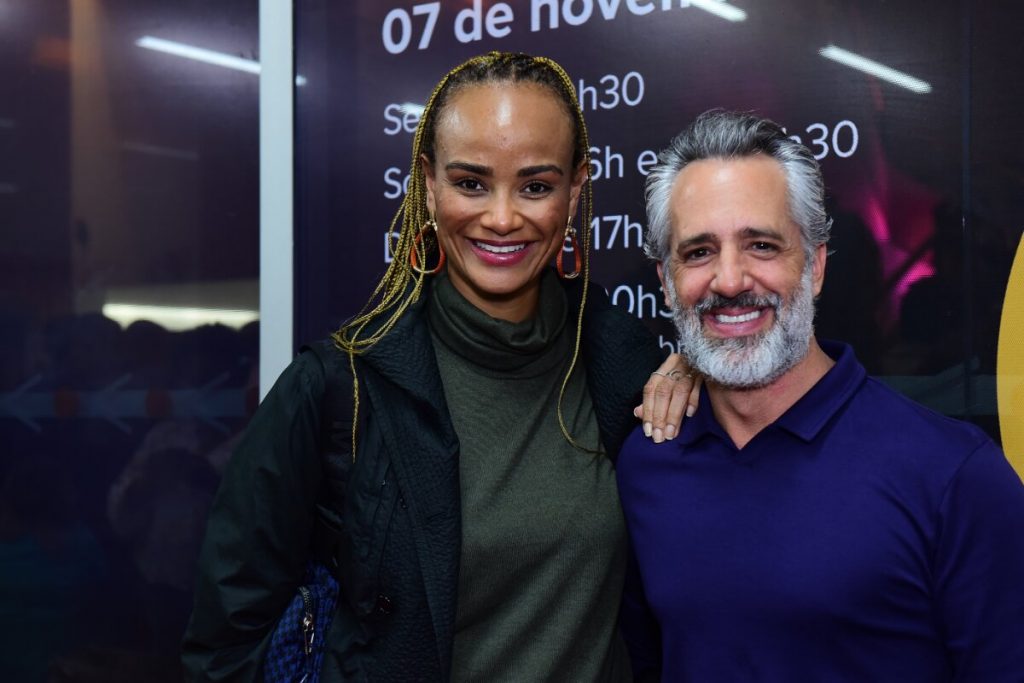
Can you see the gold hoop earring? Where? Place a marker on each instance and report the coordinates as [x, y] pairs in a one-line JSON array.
[[570, 237], [417, 244]]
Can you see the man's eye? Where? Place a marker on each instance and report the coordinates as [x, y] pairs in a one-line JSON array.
[[696, 254], [764, 246]]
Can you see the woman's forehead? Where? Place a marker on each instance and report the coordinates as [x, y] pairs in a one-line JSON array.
[[513, 113]]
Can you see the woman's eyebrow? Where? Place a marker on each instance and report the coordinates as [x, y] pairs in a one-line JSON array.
[[476, 169], [540, 168]]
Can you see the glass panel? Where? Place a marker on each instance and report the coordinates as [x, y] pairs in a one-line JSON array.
[[129, 198]]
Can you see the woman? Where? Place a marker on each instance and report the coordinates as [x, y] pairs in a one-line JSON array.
[[476, 532]]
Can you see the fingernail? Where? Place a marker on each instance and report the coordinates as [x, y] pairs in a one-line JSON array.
[[647, 429], [670, 432], [658, 436], [690, 410], [638, 412]]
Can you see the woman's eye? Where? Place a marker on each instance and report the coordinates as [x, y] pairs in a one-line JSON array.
[[537, 187], [470, 184]]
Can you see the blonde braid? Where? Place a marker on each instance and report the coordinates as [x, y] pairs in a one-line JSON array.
[[400, 286], [587, 198], [393, 292]]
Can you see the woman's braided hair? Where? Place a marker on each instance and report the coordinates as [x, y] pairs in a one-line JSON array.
[[400, 285]]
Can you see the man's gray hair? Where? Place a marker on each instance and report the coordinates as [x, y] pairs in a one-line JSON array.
[[718, 134]]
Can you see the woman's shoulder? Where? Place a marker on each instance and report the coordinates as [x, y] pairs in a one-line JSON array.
[[324, 357], [317, 367]]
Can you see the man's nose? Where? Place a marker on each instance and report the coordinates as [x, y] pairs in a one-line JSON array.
[[731, 276]]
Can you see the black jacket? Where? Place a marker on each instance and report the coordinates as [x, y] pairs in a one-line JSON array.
[[392, 516]]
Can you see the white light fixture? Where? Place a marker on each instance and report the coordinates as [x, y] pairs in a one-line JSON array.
[[201, 54], [720, 9], [177, 318], [868, 66]]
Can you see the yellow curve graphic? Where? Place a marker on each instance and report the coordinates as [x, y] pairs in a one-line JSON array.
[[1010, 366]]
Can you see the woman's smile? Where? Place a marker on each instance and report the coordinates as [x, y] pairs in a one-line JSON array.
[[497, 253]]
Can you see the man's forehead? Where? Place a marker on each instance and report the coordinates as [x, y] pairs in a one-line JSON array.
[[722, 196]]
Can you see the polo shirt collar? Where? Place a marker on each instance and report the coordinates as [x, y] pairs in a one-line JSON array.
[[808, 415], [814, 409], [701, 424]]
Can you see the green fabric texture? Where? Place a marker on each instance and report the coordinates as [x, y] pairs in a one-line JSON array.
[[543, 538]]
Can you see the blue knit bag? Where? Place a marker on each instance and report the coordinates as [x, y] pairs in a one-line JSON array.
[[296, 650]]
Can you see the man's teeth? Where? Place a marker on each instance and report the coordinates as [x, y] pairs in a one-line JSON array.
[[734, 319], [496, 249]]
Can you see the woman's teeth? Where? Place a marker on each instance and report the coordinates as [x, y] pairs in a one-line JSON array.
[[734, 319], [500, 249]]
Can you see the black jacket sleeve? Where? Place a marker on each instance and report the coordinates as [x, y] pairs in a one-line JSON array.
[[620, 353], [258, 535]]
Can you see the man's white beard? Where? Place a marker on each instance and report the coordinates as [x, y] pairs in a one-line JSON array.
[[752, 361]]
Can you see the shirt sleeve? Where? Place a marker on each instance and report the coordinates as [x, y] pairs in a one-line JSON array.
[[258, 535], [979, 568]]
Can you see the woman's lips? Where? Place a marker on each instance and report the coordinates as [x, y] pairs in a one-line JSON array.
[[500, 253]]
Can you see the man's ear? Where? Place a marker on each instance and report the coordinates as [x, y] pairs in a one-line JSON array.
[[818, 268], [578, 178], [664, 289], [429, 180]]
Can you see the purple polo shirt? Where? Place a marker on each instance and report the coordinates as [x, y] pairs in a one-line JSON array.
[[860, 537]]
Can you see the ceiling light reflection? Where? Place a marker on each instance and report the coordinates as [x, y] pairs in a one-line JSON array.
[[720, 8], [198, 53], [873, 68], [201, 54]]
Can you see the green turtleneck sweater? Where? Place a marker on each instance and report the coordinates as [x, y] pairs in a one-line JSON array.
[[543, 538]]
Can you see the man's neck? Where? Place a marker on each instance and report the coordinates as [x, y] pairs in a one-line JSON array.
[[745, 412]]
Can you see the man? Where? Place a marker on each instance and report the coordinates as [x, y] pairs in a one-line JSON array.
[[807, 524]]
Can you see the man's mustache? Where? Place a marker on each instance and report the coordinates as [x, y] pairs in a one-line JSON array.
[[745, 300]]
